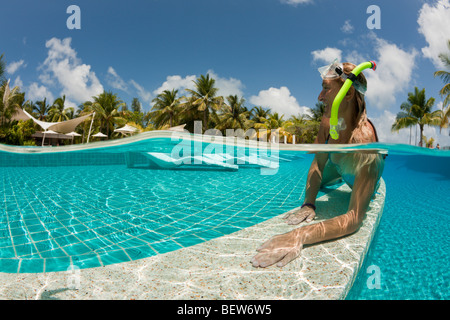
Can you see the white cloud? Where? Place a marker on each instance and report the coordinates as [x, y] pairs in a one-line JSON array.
[[279, 100], [176, 82], [295, 2], [47, 79], [347, 27], [383, 125], [76, 79], [327, 55], [145, 95], [355, 57], [393, 74], [12, 67], [115, 81], [18, 82], [434, 24], [230, 86], [36, 92]]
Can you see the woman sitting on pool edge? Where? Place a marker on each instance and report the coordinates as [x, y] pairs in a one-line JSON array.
[[361, 171]]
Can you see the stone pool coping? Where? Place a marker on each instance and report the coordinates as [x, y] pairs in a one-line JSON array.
[[220, 268]]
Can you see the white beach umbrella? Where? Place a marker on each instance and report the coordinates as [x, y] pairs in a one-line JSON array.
[[100, 135], [127, 129], [47, 132], [73, 134], [50, 132]]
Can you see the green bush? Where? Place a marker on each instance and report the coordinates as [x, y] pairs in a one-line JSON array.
[[18, 133]]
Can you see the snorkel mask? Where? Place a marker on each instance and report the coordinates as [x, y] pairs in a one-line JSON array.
[[334, 71]]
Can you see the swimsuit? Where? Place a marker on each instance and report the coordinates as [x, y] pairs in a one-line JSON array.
[[349, 179]]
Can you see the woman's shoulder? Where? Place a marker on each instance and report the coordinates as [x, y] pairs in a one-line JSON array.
[[365, 132]]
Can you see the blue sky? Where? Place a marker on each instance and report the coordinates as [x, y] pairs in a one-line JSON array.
[[267, 51]]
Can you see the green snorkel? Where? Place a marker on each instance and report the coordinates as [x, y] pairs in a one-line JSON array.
[[341, 94]]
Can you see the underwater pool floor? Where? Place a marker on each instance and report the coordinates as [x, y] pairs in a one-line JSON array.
[[219, 268]]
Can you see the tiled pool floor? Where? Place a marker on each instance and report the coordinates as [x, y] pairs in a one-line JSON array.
[[219, 268], [52, 218]]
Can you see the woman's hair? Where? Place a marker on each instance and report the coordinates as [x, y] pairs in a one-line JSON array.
[[361, 103], [363, 132]]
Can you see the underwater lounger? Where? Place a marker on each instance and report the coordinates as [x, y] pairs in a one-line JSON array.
[[251, 160], [226, 161], [166, 161]]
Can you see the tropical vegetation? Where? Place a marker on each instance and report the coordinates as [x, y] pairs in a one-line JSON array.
[[202, 103], [445, 76], [417, 110]]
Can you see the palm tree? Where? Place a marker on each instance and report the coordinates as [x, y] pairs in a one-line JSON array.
[[404, 119], [42, 108], [445, 76], [204, 97], [146, 121], [305, 127], [106, 106], [259, 114], [165, 109], [417, 110], [234, 115], [29, 106], [443, 116], [274, 122], [298, 120], [189, 113], [58, 112], [317, 112], [10, 99], [428, 142], [136, 105], [2, 69], [84, 108]]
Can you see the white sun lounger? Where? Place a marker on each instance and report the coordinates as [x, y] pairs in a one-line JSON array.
[[165, 160], [253, 160]]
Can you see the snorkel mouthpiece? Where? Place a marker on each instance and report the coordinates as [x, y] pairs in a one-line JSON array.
[[334, 128]]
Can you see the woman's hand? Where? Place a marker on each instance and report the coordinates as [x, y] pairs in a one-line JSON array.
[[304, 214], [280, 249]]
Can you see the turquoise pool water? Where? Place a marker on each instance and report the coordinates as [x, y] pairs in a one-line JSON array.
[[56, 214], [88, 208], [412, 244]]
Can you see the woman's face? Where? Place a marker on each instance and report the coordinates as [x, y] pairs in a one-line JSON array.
[[330, 89]]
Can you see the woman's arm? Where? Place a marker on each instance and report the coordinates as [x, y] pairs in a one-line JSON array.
[[315, 176], [315, 173], [313, 182], [284, 248], [363, 189]]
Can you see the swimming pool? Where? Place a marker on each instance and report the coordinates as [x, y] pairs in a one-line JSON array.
[[89, 208], [412, 244], [57, 213]]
